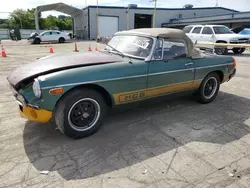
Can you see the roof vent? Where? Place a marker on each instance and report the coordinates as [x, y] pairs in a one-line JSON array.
[[132, 5], [188, 6]]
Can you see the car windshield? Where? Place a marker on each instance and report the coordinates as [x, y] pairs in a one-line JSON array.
[[134, 46], [245, 31], [222, 30], [43, 32]]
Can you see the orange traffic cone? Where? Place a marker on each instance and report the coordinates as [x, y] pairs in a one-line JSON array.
[[96, 49], [3, 52], [51, 49], [76, 50], [90, 50]]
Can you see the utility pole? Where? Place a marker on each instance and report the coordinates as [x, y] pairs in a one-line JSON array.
[[97, 20], [154, 23], [128, 17]]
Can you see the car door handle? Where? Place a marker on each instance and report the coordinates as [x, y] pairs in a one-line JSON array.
[[187, 64]]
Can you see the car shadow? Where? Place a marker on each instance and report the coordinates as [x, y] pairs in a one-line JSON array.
[[230, 53], [135, 133], [238, 55]]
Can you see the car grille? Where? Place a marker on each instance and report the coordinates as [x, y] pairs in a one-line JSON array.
[[240, 41], [243, 39], [19, 98]]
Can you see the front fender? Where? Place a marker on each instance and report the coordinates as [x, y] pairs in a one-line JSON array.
[[71, 78]]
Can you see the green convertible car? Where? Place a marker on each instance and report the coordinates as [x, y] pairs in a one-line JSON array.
[[75, 89]]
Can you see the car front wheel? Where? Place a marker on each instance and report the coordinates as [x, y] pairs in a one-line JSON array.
[[37, 41], [219, 50], [80, 113], [209, 88]]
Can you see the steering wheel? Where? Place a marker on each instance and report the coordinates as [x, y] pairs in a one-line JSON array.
[[157, 53], [143, 54]]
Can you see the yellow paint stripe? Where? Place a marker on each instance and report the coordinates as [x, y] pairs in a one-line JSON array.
[[132, 96]]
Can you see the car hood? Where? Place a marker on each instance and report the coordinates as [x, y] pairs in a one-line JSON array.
[[59, 62]]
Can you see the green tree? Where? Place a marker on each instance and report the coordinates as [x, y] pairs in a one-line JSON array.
[[26, 19], [23, 18], [50, 22], [68, 23], [42, 23], [4, 23], [64, 24]]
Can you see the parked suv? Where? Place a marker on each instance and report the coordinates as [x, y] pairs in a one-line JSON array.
[[216, 34], [49, 36]]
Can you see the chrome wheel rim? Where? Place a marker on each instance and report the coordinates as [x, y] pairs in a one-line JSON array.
[[220, 51], [84, 114], [210, 87]]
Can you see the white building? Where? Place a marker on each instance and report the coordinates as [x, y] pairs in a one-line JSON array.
[[104, 21]]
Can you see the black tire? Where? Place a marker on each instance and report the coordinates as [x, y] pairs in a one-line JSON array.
[[203, 95], [238, 50], [37, 41], [220, 50], [78, 102], [61, 40]]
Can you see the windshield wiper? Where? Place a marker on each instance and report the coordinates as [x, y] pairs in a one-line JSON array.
[[122, 54]]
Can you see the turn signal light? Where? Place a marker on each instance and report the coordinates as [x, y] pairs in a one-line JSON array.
[[56, 91], [234, 63]]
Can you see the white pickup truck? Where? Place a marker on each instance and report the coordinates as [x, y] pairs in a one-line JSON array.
[[216, 34]]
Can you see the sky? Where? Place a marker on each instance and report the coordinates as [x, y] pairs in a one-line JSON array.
[[8, 6]]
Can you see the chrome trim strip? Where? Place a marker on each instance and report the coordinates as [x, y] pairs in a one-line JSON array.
[[166, 72], [90, 82], [214, 66], [143, 75]]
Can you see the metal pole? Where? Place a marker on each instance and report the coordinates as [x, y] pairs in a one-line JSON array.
[[128, 17], [97, 20], [155, 14], [154, 21], [37, 20]]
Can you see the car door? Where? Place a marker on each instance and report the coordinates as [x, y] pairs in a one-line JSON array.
[[46, 36], [207, 36], [170, 70], [195, 34], [55, 36]]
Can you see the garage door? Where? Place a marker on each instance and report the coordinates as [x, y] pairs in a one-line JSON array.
[[107, 26]]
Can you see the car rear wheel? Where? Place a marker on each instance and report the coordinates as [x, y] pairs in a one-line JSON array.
[[80, 113], [61, 40], [209, 88], [238, 50]]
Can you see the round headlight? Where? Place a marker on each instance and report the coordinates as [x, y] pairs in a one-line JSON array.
[[36, 88]]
